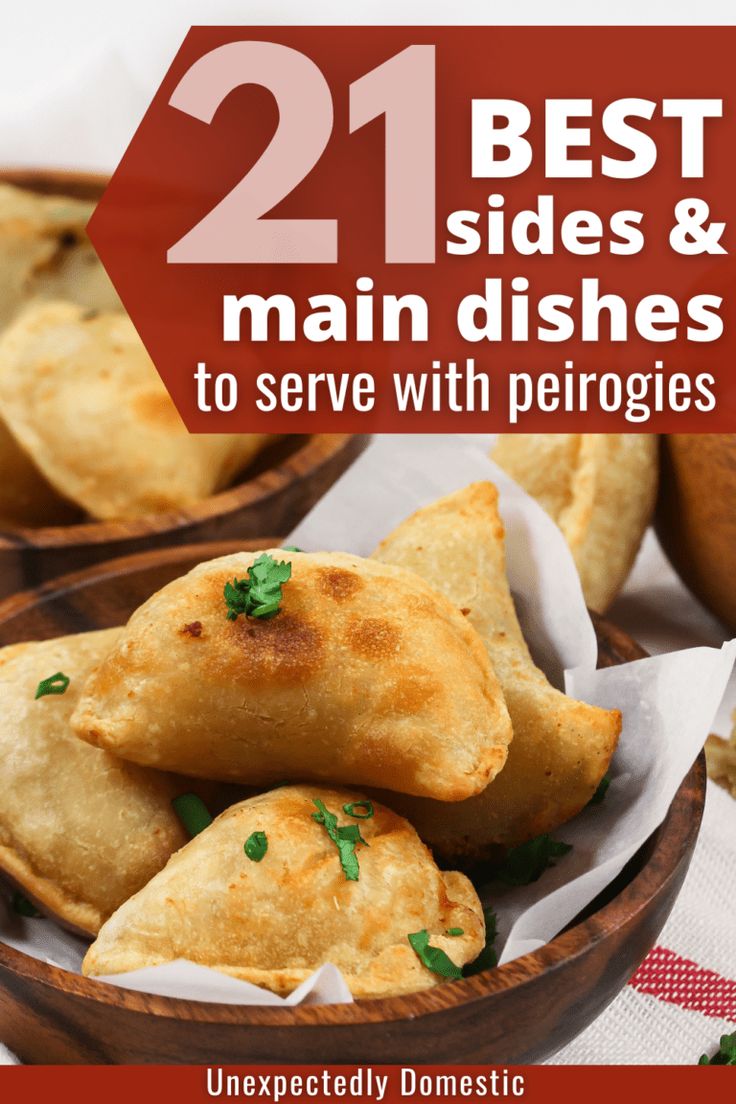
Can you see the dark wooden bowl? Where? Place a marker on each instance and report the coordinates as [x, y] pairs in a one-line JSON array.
[[272, 495], [522, 1012]]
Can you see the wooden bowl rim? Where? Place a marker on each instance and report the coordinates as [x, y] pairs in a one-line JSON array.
[[316, 449], [671, 841], [51, 178]]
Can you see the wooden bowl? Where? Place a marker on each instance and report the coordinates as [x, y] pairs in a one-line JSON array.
[[696, 516], [274, 493], [519, 1013], [282, 484]]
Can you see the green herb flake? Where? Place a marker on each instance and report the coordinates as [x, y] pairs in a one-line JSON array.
[[260, 594], [56, 684], [527, 862], [256, 846], [487, 958], [192, 812], [23, 907], [725, 1056], [366, 806], [434, 958], [345, 839], [456, 931], [602, 790], [291, 548]]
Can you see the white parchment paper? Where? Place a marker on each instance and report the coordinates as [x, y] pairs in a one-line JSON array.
[[667, 702]]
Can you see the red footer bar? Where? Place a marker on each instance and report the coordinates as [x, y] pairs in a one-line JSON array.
[[379, 1084]]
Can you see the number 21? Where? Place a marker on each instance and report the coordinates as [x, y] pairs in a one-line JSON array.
[[235, 231]]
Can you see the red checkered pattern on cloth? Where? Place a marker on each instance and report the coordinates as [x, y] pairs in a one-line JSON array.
[[683, 996], [667, 976]]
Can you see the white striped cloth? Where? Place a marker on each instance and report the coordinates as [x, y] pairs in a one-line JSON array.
[[683, 997]]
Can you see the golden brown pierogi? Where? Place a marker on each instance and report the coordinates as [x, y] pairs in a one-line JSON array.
[[600, 488], [80, 830], [365, 675], [275, 920], [720, 756], [561, 748], [45, 253], [82, 397]]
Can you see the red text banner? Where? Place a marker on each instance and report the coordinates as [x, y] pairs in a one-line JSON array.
[[362, 1084], [436, 229]]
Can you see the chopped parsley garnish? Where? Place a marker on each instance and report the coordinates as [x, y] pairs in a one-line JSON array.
[[487, 958], [434, 958], [366, 806], [256, 846], [456, 931], [292, 548], [56, 684], [602, 790], [258, 595], [527, 862], [23, 906], [192, 812], [725, 1056], [344, 838]]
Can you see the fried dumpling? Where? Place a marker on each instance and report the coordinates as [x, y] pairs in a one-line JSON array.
[[83, 398], [600, 489], [364, 675], [561, 748], [263, 895], [45, 253], [80, 830], [720, 757]]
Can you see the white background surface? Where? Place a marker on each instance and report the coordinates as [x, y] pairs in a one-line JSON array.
[[45, 45]]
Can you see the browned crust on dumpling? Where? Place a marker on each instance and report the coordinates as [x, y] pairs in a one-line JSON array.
[[274, 922], [374, 680]]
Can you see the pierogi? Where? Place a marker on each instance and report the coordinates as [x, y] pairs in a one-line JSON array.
[[81, 396], [272, 915], [80, 830], [600, 489], [561, 748], [365, 675]]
